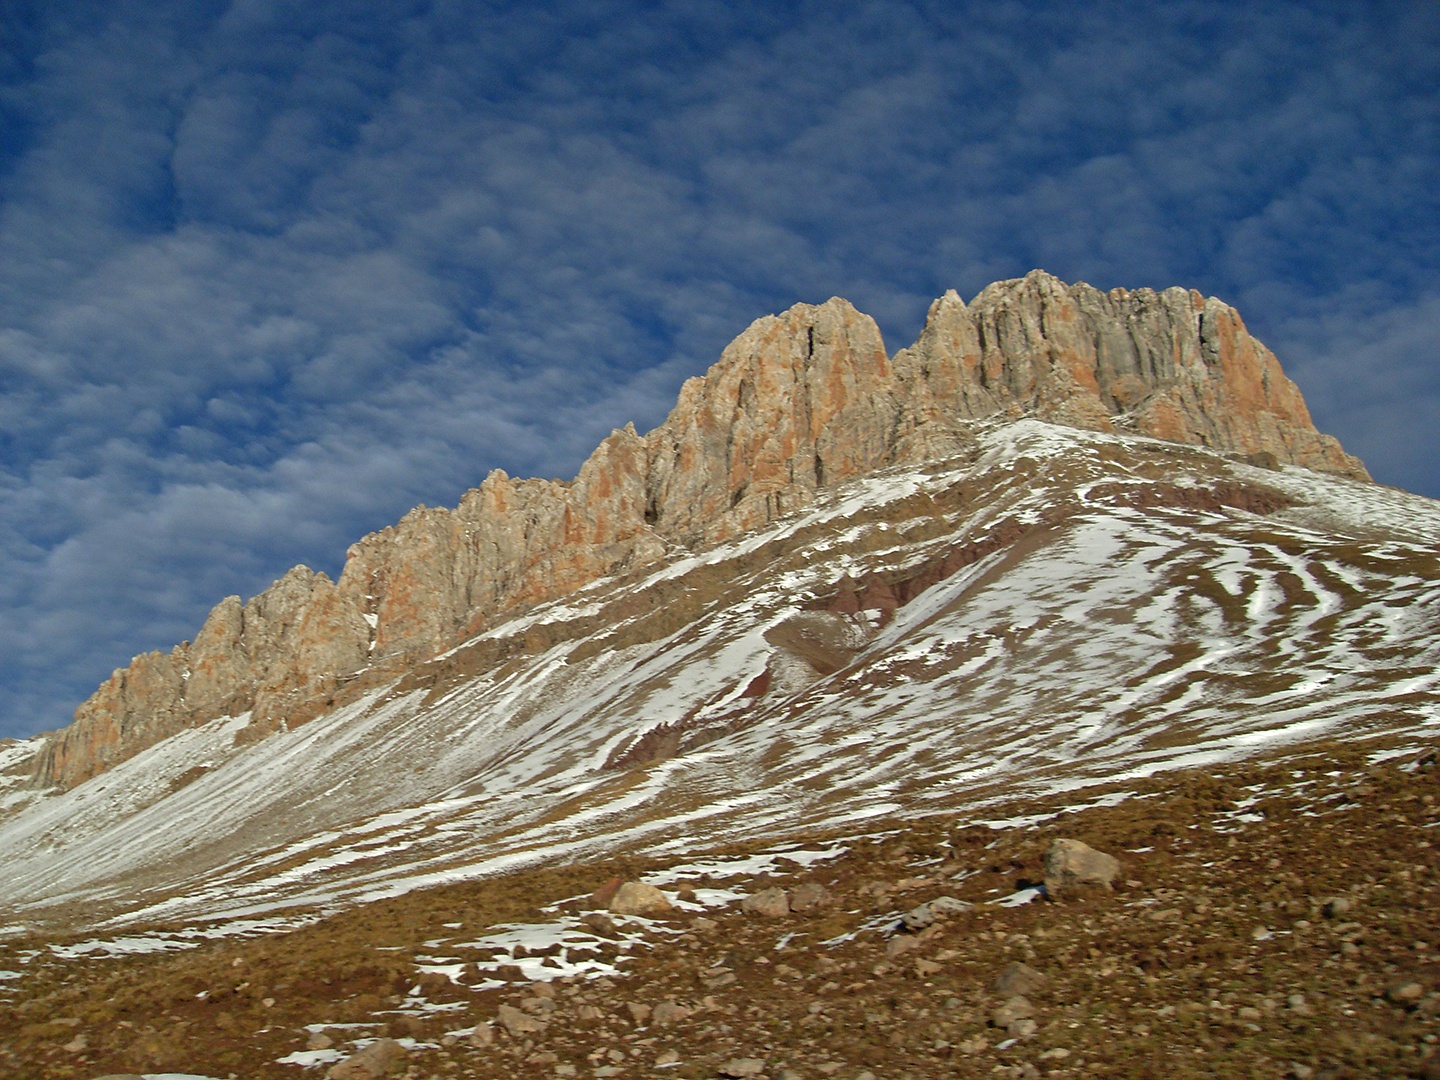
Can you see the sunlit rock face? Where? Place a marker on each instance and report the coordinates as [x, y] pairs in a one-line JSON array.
[[799, 402], [1170, 365]]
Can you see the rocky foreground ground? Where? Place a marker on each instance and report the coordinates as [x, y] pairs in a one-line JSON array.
[[1272, 918]]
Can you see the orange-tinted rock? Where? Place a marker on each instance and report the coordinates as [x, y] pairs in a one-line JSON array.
[[1170, 365], [136, 707], [797, 402]]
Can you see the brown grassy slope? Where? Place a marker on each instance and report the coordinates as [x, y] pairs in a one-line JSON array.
[[1190, 968]]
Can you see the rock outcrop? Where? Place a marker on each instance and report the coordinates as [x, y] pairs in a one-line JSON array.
[[1171, 365], [797, 402]]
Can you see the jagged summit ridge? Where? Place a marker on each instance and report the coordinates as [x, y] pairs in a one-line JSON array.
[[797, 402]]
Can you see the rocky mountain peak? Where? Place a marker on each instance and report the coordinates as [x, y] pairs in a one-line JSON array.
[[1171, 365], [798, 402]]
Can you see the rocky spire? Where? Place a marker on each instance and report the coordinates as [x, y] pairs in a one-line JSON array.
[[797, 402]]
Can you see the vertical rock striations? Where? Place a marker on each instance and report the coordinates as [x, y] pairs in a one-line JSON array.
[[797, 402], [1171, 365]]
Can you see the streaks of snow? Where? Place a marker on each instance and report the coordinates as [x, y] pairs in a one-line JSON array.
[[1117, 642]]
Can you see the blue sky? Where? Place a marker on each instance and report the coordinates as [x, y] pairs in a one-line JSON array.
[[272, 274]]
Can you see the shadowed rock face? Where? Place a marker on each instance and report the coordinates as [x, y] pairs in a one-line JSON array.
[[797, 402]]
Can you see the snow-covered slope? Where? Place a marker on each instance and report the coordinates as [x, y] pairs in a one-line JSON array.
[[1079, 606]]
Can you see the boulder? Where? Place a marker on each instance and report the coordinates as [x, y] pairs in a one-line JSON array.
[[1021, 979], [517, 1022], [637, 898], [900, 944], [920, 917], [601, 924], [1337, 906], [771, 903], [668, 1012], [811, 896], [738, 1068], [1405, 991], [381, 1058], [1073, 863], [1016, 1008]]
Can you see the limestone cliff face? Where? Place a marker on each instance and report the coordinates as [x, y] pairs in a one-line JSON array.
[[797, 402], [1171, 365]]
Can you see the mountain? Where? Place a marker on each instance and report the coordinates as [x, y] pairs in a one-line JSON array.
[[1067, 536], [797, 404]]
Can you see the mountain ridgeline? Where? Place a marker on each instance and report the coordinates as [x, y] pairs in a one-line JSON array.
[[798, 402]]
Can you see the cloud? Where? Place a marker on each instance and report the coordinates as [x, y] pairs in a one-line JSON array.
[[272, 274]]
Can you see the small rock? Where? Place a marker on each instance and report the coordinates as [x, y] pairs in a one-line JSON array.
[[1022, 1028], [1020, 979], [772, 903], [1071, 863], [483, 1035], [900, 944], [381, 1058], [1247, 1012], [917, 918], [926, 968], [638, 1012], [601, 924], [1337, 906], [78, 1043], [1058, 1053], [589, 1012], [949, 905], [566, 1070], [810, 897], [668, 1012], [637, 898], [668, 1057], [1404, 991], [542, 990], [737, 1068], [703, 923], [517, 1022], [1017, 1008], [318, 1040]]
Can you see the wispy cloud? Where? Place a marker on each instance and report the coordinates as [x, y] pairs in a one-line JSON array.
[[272, 274]]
